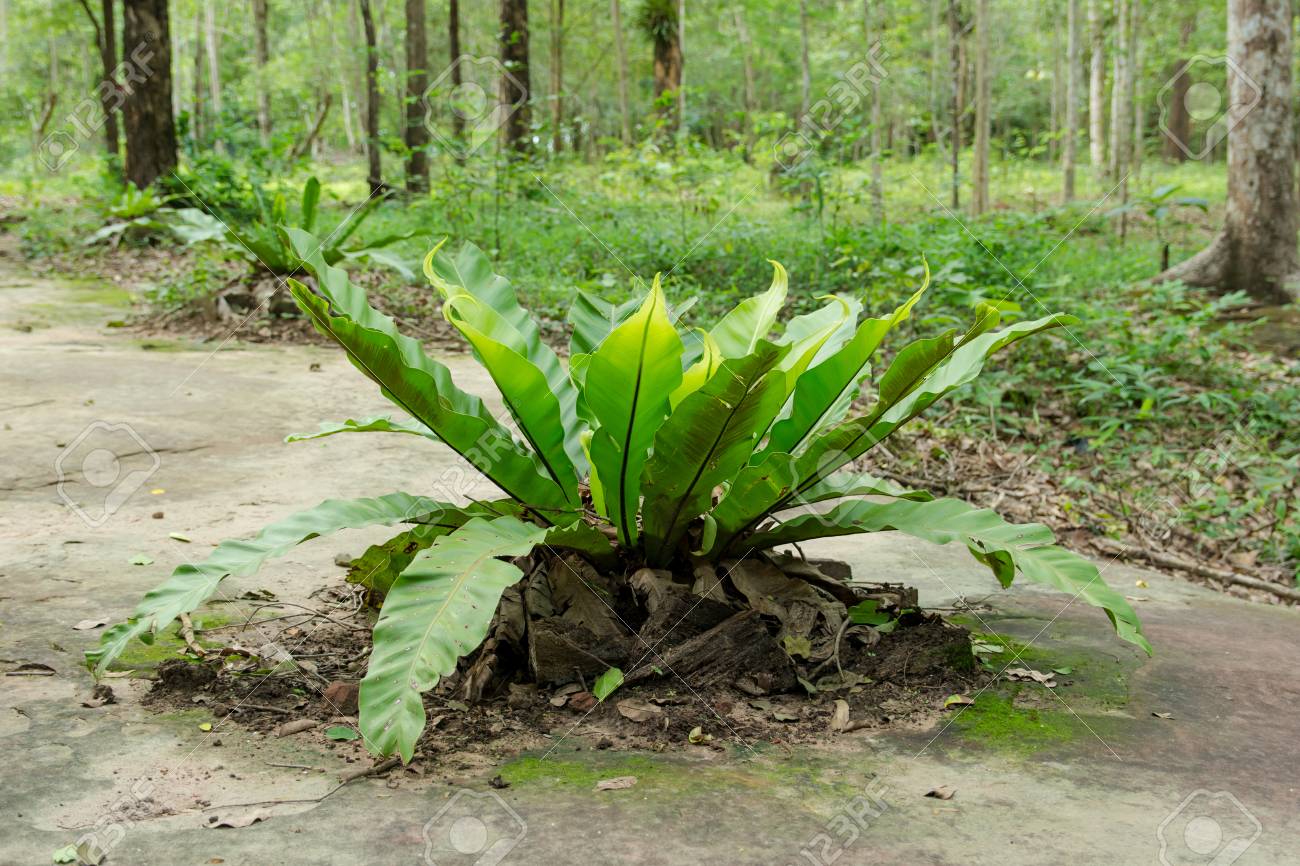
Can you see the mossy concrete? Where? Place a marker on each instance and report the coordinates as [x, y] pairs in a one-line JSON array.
[[1084, 775]]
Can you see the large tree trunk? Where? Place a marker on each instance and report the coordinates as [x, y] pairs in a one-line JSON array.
[[261, 54], [805, 68], [374, 166], [874, 32], [1073, 85], [667, 72], [1177, 130], [147, 110], [1256, 251], [417, 79], [1096, 89], [980, 163], [516, 87], [625, 117], [557, 75]]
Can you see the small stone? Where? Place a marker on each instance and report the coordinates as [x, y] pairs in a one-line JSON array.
[[342, 697], [581, 702], [157, 515]]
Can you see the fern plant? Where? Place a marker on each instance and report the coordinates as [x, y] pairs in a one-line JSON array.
[[654, 446]]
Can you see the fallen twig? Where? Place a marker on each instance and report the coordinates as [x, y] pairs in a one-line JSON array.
[[1168, 560]]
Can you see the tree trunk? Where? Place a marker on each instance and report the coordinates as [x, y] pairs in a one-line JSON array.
[[874, 33], [1058, 91], [1134, 75], [1073, 86], [667, 72], [980, 167], [1096, 89], [106, 42], [1177, 130], [625, 118], [1121, 92], [417, 80], [557, 75], [374, 166], [147, 110], [212, 47], [453, 45], [681, 66], [954, 67], [1256, 251], [196, 102], [516, 87], [805, 68], [261, 54]]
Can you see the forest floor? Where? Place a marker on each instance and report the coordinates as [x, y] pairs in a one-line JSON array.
[[1124, 759]]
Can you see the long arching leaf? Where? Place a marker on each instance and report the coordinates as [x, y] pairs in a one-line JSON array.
[[708, 437], [438, 610], [420, 386], [1006, 548], [738, 333], [628, 382], [191, 585], [378, 424]]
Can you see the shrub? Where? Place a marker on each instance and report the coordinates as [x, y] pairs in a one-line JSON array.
[[653, 447]]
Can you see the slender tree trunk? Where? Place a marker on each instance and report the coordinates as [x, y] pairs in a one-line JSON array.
[[624, 116], [516, 87], [106, 42], [874, 29], [681, 66], [557, 75], [805, 68], [1134, 88], [980, 168], [1096, 89], [747, 59], [1121, 93], [1177, 130], [261, 54], [147, 110], [954, 60], [453, 45], [196, 99], [1256, 251], [212, 47], [374, 163], [1058, 91], [1073, 87], [417, 80]]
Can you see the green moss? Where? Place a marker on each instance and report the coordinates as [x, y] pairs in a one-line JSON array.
[[996, 721], [153, 344], [167, 645], [104, 294]]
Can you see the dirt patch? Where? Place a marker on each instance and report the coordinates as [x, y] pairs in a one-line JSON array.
[[900, 677]]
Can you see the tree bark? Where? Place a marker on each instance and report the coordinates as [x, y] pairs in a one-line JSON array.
[[557, 75], [147, 110], [196, 101], [625, 117], [453, 45], [1096, 89], [1119, 93], [374, 164], [261, 54], [417, 80], [667, 69], [805, 68], [980, 163], [303, 147], [954, 67], [1178, 121], [212, 48], [1073, 86], [516, 87], [1134, 92], [874, 33], [1256, 251], [106, 42]]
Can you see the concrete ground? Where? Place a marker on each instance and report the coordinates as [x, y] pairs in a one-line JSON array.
[[1087, 776]]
